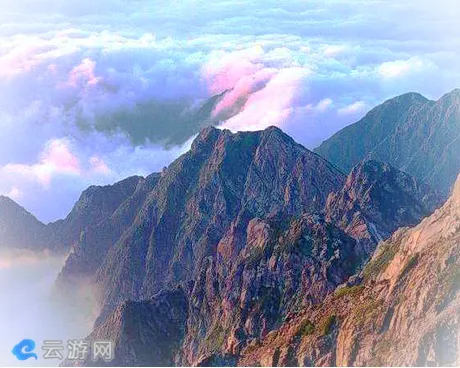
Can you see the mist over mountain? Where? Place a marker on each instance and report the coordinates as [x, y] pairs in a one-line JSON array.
[[231, 183], [108, 90], [31, 308]]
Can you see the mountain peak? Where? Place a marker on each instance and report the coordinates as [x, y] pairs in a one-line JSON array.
[[207, 135], [410, 133], [210, 135], [409, 98], [274, 131], [451, 97], [19, 228], [206, 131]]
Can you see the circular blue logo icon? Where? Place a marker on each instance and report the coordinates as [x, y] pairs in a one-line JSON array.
[[24, 350]]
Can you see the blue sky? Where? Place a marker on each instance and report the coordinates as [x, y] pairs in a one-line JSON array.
[[74, 76]]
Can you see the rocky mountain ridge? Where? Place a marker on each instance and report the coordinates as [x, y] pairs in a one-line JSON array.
[[402, 309], [250, 244], [13, 220], [21, 230], [409, 132], [405, 312]]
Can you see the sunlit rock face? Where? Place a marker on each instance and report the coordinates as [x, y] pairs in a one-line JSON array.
[[254, 229], [405, 312]]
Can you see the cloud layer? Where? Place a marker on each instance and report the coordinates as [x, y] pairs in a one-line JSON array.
[[31, 312], [93, 92]]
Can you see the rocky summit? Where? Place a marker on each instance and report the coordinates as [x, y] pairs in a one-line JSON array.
[[236, 241]]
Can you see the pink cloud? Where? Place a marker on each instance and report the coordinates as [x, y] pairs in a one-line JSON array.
[[15, 193], [261, 89], [224, 70], [20, 59], [83, 74], [243, 88], [56, 158], [272, 105], [98, 166]]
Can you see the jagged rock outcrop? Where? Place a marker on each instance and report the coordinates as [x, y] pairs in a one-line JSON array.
[[250, 226], [224, 181], [410, 133], [406, 311], [96, 238], [95, 204], [376, 200]]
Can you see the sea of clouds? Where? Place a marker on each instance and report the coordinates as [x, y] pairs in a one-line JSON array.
[[30, 307], [91, 92]]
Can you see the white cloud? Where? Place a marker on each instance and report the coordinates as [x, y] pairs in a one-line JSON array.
[[14, 193], [358, 107], [56, 158], [399, 68], [117, 80]]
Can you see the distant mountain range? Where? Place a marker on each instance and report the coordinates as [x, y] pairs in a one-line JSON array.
[[19, 228], [409, 132], [250, 249]]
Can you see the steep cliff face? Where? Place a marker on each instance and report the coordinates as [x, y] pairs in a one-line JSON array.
[[225, 181], [405, 312], [376, 200], [113, 217], [255, 229], [279, 271], [96, 204], [410, 133]]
